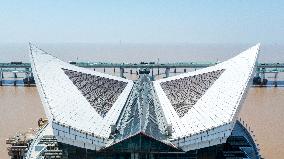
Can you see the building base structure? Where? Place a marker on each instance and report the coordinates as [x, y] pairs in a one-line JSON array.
[[239, 145]]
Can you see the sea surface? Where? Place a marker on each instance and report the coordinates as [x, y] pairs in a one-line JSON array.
[[263, 109]]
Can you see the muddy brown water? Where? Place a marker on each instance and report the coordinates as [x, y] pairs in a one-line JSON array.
[[263, 110]]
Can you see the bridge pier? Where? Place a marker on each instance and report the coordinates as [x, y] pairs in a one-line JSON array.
[[121, 72], [257, 72], [263, 75], [275, 79], [153, 74], [28, 77], [15, 75], [15, 78], [1, 76], [167, 72]]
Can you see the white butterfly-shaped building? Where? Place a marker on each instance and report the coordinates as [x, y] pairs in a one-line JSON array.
[[183, 113]]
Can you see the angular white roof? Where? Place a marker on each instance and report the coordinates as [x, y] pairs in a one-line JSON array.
[[220, 102], [201, 106], [64, 102]]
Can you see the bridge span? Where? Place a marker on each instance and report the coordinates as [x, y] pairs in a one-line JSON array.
[[25, 68]]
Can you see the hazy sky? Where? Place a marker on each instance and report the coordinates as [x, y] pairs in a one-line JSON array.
[[142, 21]]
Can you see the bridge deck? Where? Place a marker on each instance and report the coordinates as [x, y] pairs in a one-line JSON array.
[[141, 65]]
